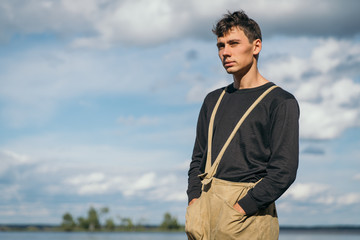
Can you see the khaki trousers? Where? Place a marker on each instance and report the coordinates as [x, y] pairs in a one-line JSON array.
[[212, 216]]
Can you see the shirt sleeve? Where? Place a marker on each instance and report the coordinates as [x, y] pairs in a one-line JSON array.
[[199, 152], [283, 163]]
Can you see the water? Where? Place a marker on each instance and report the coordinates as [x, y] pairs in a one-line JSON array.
[[90, 236], [156, 236], [318, 236]]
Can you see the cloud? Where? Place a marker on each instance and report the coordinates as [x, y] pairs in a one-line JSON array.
[[140, 184], [349, 199], [305, 191], [323, 78], [10, 161], [328, 94], [33, 17], [81, 176], [87, 170], [318, 193], [92, 184], [145, 181], [289, 18], [85, 179], [103, 23], [336, 110], [13, 158], [149, 186]]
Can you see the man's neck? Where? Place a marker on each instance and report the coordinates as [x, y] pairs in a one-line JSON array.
[[251, 79]]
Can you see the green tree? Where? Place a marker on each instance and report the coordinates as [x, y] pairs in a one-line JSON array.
[[103, 211], [93, 219], [127, 223], [83, 223], [169, 222], [68, 223], [109, 224]]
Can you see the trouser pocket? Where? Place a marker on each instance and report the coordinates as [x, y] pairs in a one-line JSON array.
[[193, 221], [229, 224]]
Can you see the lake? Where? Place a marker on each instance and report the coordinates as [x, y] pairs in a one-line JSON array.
[[157, 236]]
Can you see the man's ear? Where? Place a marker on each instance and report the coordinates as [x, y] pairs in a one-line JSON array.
[[257, 45]]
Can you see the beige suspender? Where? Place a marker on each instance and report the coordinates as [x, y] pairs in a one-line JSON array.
[[210, 170]]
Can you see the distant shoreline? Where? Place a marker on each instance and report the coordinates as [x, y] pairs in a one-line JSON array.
[[322, 229], [155, 228]]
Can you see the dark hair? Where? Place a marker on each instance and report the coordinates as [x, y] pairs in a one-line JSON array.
[[242, 21]]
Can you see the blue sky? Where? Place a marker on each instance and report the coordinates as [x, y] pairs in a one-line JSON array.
[[99, 101]]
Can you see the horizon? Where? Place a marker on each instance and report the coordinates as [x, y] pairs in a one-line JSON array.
[[337, 226]]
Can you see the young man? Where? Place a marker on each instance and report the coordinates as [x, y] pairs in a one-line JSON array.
[[234, 198]]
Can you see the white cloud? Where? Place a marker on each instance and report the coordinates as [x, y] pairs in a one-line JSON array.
[[102, 23], [85, 179], [305, 191], [91, 184], [140, 184], [10, 159], [156, 22], [318, 193], [14, 158], [156, 187], [79, 169], [169, 188], [163, 20], [335, 110], [326, 121], [148, 185], [349, 199], [144, 182], [82, 170], [328, 94]]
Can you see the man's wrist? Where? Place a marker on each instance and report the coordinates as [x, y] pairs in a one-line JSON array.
[[248, 205], [239, 209], [192, 201]]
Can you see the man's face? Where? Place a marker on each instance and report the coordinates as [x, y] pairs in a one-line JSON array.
[[235, 51]]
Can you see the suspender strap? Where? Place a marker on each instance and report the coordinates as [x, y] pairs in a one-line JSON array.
[[210, 169], [210, 131]]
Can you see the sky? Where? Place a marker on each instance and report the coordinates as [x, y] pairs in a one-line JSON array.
[[99, 101]]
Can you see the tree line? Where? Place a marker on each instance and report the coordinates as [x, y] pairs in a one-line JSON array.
[[92, 222]]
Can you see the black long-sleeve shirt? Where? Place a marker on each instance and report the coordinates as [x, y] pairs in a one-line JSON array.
[[266, 145]]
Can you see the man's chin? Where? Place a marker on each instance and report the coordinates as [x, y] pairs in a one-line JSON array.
[[230, 71]]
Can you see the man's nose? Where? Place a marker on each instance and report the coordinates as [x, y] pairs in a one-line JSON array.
[[226, 51]]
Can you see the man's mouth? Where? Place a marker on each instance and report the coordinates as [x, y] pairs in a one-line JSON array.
[[228, 63]]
